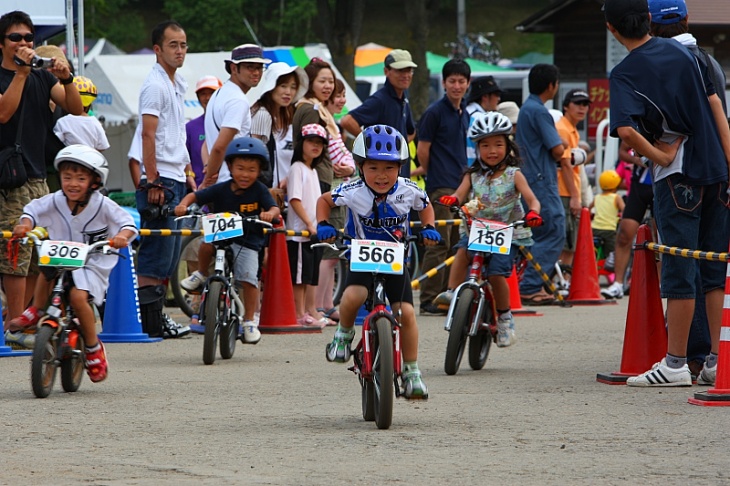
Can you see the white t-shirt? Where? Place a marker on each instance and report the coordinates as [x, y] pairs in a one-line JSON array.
[[303, 185], [86, 130], [227, 108], [101, 219], [162, 99], [261, 127]]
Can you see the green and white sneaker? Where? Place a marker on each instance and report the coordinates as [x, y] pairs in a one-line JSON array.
[[413, 386], [338, 350]]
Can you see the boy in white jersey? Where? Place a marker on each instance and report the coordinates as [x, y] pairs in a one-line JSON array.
[[78, 212], [378, 205]]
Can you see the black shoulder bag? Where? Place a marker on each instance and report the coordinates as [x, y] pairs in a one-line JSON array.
[[12, 167]]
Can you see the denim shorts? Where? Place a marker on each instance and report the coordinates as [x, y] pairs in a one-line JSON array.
[[498, 264], [246, 264], [158, 255], [695, 217]]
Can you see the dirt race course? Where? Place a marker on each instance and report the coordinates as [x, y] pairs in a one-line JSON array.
[[278, 413]]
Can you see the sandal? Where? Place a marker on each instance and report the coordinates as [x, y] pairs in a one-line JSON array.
[[332, 313], [537, 299]]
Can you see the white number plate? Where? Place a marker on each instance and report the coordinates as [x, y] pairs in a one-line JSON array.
[[68, 254], [222, 226], [377, 256], [490, 237]]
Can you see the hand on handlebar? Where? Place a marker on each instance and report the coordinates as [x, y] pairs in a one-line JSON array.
[[326, 232], [430, 236], [533, 219], [181, 210], [449, 200], [118, 242]]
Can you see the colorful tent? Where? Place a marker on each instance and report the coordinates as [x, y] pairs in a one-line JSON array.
[[435, 63]]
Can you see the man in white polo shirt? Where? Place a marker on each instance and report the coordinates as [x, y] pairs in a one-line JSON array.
[[229, 115], [162, 185]]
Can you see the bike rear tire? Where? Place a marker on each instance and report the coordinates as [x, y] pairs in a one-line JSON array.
[[480, 344], [211, 318], [368, 400], [182, 297], [228, 337], [381, 342], [72, 365], [460, 320], [43, 363]]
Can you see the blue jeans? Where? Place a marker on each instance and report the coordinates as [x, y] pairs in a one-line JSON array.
[[549, 238], [694, 217], [158, 255]]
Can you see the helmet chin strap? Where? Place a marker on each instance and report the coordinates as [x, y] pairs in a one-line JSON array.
[[82, 204], [489, 169]]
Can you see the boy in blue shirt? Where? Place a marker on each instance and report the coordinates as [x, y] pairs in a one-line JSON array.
[[377, 205], [246, 157], [687, 140]]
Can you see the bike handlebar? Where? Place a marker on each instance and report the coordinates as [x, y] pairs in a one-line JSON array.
[[194, 211]]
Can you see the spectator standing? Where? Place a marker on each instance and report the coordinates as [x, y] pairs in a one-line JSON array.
[[229, 114], [195, 128], [687, 140], [163, 181], [312, 109], [608, 206], [29, 91], [441, 151], [541, 148], [272, 114], [83, 129], [484, 96], [389, 105], [575, 109]]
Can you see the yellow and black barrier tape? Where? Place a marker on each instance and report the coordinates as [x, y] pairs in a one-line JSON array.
[[430, 273], [712, 256]]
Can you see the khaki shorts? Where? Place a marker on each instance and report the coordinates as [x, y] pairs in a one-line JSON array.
[[20, 260]]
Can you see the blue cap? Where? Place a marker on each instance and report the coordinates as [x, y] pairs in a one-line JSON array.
[[667, 11]]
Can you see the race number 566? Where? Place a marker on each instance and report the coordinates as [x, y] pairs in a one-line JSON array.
[[377, 256]]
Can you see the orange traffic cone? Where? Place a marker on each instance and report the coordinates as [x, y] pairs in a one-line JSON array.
[[584, 288], [278, 313], [515, 302], [719, 396], [645, 338]]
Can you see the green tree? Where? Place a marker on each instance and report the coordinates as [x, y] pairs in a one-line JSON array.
[[341, 24]]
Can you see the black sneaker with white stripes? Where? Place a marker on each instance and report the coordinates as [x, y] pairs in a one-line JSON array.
[[662, 375]]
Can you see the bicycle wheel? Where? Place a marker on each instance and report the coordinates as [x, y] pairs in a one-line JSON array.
[[341, 272], [368, 400], [562, 286], [186, 301], [460, 321], [494, 53], [72, 363], [43, 363], [480, 344], [229, 336], [381, 344], [211, 319]]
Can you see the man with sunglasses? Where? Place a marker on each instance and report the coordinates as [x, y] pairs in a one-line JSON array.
[[165, 162], [31, 89], [229, 114]]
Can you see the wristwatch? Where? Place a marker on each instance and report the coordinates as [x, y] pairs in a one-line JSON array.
[[67, 81]]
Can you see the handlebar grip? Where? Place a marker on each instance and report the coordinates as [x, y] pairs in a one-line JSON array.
[[276, 221]]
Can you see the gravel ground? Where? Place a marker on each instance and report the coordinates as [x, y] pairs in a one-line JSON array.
[[278, 413]]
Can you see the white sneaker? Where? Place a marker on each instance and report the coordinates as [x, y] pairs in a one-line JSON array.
[[251, 333], [194, 282], [614, 291], [506, 331], [707, 376], [662, 375]]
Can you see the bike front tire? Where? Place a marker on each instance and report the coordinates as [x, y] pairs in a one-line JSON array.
[[480, 344], [460, 320], [43, 363], [381, 342], [211, 319], [72, 365]]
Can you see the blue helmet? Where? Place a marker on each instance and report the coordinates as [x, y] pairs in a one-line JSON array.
[[248, 147], [380, 142]]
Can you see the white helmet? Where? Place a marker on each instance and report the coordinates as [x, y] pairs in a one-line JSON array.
[[86, 156], [488, 124]]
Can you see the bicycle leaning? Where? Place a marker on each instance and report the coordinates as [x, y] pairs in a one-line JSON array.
[[472, 313], [221, 308]]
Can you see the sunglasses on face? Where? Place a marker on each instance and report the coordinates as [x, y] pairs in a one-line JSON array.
[[17, 37]]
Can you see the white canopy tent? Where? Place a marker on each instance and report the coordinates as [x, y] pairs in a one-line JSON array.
[[118, 79]]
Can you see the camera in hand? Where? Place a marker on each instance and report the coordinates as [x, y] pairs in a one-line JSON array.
[[154, 211], [41, 62]]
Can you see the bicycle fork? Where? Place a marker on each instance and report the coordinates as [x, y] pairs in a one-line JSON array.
[[474, 271]]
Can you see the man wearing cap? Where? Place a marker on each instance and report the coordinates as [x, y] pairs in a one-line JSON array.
[[389, 105], [575, 109], [484, 96], [195, 128], [164, 158], [229, 114], [677, 123]]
